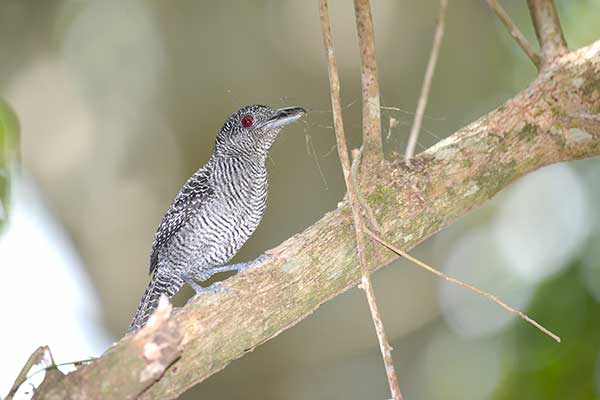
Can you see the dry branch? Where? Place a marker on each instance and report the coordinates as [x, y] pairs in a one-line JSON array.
[[537, 127], [354, 199], [371, 110], [422, 103], [547, 29], [125, 370], [458, 282], [515, 33], [40, 355]]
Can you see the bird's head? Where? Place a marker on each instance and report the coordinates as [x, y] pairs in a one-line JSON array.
[[252, 130]]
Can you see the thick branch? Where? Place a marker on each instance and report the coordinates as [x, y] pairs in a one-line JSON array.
[[547, 29], [371, 111], [546, 123], [125, 370]]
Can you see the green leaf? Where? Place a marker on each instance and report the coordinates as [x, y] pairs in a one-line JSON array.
[[9, 143]]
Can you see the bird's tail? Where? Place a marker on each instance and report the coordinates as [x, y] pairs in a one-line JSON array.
[[166, 283]]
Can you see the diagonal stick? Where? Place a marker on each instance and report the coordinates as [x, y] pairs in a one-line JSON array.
[[533, 55], [435, 50], [460, 283]]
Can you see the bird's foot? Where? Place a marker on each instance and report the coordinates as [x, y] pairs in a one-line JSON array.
[[234, 267], [218, 286], [262, 258], [200, 290]]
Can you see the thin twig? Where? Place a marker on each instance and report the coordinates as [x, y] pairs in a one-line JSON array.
[[334, 86], [533, 55], [547, 29], [460, 283], [371, 113], [55, 366], [435, 50]]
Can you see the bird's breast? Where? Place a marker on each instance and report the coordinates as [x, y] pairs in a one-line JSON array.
[[219, 229]]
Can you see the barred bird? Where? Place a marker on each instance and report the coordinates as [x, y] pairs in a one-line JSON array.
[[217, 209]]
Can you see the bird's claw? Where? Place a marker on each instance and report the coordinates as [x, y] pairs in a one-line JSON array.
[[263, 257], [214, 288]]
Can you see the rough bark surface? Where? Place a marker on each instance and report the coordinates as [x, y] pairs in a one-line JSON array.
[[547, 29], [371, 110], [126, 369], [555, 119]]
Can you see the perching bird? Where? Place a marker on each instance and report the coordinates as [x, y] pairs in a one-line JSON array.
[[217, 209]]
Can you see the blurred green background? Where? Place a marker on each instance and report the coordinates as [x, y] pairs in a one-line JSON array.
[[118, 104]]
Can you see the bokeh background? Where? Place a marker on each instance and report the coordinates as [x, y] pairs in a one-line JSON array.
[[118, 103]]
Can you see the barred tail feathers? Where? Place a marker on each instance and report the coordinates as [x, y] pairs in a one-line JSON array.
[[161, 283]]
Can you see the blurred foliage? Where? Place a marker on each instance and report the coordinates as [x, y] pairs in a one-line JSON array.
[[543, 370], [579, 19], [9, 139]]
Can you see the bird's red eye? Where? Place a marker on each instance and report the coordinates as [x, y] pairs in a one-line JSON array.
[[247, 121]]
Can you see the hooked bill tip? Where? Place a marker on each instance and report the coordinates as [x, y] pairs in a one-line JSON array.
[[291, 111], [285, 116]]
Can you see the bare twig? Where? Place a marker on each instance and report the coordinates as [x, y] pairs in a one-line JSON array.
[[547, 29], [533, 55], [366, 285], [460, 283], [56, 365], [437, 41], [371, 114]]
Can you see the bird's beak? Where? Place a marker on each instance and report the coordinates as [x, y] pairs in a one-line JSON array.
[[284, 116]]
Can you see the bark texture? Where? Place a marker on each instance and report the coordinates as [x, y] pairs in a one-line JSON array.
[[371, 110], [555, 119], [547, 29]]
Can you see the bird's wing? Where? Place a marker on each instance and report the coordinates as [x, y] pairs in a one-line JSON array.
[[192, 195]]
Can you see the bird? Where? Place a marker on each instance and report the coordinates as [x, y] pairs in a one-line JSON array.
[[216, 210]]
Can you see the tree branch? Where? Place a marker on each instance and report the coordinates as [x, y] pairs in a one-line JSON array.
[[537, 127], [515, 33], [458, 282], [547, 29], [354, 202], [126, 370], [40, 354], [371, 111], [435, 49]]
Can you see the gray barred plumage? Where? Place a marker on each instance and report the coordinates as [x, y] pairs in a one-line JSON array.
[[217, 209]]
